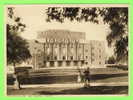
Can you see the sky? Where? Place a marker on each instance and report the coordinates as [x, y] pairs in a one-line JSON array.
[[35, 19]]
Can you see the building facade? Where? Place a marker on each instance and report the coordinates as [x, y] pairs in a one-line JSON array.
[[63, 48]]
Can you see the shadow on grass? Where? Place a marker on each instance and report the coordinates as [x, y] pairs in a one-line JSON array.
[[61, 79], [89, 90], [105, 76]]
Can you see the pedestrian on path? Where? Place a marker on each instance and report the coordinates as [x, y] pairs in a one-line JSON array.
[[87, 77], [79, 78]]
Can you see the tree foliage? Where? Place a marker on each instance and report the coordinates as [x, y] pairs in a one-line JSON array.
[[111, 60], [115, 17], [17, 47]]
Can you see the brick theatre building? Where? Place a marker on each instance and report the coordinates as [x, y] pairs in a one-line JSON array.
[[64, 48]]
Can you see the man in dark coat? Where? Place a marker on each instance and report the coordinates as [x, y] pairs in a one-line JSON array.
[[87, 77]]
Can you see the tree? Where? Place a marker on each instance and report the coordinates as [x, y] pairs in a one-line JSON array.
[[111, 60], [115, 17], [17, 47]]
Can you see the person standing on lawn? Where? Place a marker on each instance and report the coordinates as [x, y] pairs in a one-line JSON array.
[[87, 77]]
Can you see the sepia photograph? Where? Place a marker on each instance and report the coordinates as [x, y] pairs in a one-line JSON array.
[[67, 49]]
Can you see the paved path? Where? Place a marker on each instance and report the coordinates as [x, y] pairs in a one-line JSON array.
[[72, 85]]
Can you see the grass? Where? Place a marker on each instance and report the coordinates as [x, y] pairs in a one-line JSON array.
[[97, 75], [97, 90], [64, 76]]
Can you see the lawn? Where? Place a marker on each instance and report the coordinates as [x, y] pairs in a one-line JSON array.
[[70, 76], [95, 90], [100, 75]]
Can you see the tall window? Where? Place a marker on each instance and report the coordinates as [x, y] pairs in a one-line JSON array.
[[79, 46], [48, 57], [55, 57], [63, 45], [86, 57], [79, 57], [86, 50], [99, 44], [100, 51], [99, 56], [55, 45], [99, 63], [71, 45], [93, 59], [92, 48], [92, 54], [64, 58], [71, 57]]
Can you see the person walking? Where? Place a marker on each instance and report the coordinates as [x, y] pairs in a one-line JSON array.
[[87, 77]]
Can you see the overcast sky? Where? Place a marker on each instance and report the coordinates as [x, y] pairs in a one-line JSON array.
[[34, 17]]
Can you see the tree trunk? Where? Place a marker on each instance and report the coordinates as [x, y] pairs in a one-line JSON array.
[[16, 82]]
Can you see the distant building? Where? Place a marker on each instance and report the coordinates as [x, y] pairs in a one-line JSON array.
[[63, 48], [98, 54], [37, 52]]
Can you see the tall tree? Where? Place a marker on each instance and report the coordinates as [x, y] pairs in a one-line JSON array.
[[115, 17], [17, 47]]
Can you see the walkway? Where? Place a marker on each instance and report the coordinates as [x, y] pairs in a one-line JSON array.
[[72, 85]]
